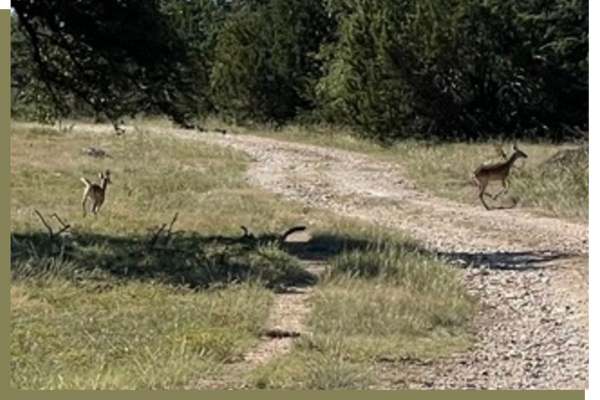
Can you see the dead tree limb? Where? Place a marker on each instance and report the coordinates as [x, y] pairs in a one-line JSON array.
[[170, 230], [53, 235], [247, 234], [48, 227], [156, 236], [292, 230], [65, 226]]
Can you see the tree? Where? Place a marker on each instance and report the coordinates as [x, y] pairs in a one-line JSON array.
[[118, 57], [457, 69], [198, 23], [265, 59]]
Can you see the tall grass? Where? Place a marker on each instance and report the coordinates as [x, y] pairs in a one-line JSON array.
[[401, 293], [380, 300]]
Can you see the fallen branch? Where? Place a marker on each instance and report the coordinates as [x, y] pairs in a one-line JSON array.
[[278, 239], [155, 237], [292, 230], [161, 229], [170, 230], [41, 217], [52, 234], [65, 226], [246, 234], [277, 333]]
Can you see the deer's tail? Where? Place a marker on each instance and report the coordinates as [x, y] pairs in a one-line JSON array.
[[85, 182]]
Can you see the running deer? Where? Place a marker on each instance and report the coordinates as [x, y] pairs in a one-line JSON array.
[[499, 171]]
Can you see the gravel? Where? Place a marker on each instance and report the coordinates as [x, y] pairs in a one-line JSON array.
[[532, 325]]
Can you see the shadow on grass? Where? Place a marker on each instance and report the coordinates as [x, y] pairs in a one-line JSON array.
[[322, 247], [197, 261], [183, 258], [186, 259]]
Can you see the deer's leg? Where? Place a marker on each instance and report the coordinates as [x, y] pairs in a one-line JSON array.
[[83, 201], [483, 184], [482, 187], [99, 204], [504, 189]]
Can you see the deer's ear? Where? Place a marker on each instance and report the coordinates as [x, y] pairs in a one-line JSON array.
[[107, 172]]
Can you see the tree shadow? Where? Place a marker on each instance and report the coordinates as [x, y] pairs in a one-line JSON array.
[[324, 246], [508, 261], [182, 258], [202, 261]]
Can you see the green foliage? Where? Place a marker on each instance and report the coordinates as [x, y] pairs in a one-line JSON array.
[[265, 60], [198, 23], [457, 69], [443, 69], [118, 57]]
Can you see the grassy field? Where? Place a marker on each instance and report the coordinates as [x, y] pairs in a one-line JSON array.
[[114, 302], [552, 184]]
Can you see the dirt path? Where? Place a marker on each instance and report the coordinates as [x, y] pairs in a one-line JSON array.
[[533, 320], [286, 321]]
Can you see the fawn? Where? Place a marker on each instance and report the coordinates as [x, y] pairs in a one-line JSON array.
[[95, 191], [485, 174]]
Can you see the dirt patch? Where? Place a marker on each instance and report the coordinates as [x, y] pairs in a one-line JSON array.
[[286, 323]]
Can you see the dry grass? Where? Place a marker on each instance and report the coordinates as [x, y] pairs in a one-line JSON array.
[[560, 189], [553, 188]]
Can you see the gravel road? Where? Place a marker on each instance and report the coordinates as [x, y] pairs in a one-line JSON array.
[[533, 322]]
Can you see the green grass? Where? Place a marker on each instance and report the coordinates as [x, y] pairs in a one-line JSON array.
[[67, 335], [99, 306], [310, 371], [110, 304], [381, 299]]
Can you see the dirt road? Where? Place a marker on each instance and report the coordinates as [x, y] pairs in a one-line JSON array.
[[533, 330]]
